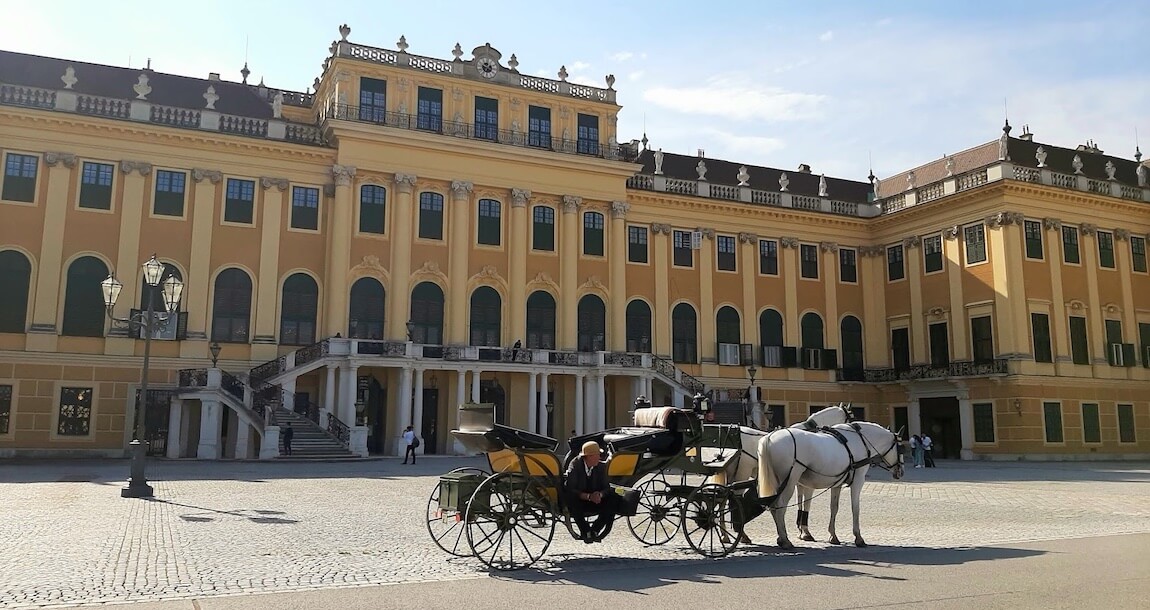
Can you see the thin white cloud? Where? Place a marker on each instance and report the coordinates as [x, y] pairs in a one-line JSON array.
[[578, 66], [635, 76], [827, 36], [737, 98], [622, 56]]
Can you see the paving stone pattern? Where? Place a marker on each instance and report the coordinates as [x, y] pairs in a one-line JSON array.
[[225, 528]]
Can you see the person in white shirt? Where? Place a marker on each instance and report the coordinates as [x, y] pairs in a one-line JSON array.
[[409, 441], [927, 453]]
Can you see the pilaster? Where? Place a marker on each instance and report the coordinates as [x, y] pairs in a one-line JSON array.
[[748, 252], [660, 260], [1129, 320], [267, 282], [1003, 244], [952, 249], [399, 294], [1094, 311], [872, 280], [459, 217], [128, 258], [912, 258], [1059, 323], [617, 300], [830, 264], [517, 265], [199, 266], [707, 347], [42, 331], [336, 291], [789, 268], [568, 301]]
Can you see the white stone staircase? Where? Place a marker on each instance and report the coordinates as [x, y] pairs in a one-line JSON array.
[[309, 441]]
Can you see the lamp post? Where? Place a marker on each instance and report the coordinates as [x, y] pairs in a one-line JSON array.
[[410, 330], [149, 321], [548, 429], [748, 409], [214, 348]]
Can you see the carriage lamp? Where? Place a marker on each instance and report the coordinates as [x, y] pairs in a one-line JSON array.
[[153, 271], [550, 407], [214, 348], [111, 288], [751, 371]]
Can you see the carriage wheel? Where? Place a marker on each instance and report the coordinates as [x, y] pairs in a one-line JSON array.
[[446, 525], [509, 521], [709, 518], [659, 515]]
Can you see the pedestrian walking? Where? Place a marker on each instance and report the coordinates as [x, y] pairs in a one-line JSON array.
[[916, 450], [411, 441], [287, 436], [928, 450]]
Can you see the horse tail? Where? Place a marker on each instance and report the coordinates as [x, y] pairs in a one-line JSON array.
[[768, 478]]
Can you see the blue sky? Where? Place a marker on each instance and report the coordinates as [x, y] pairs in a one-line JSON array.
[[829, 83]]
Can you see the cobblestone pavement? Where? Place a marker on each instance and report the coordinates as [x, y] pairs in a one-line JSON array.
[[225, 528]]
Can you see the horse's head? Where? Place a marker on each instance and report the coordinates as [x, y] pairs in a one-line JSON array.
[[846, 409], [884, 444], [830, 416]]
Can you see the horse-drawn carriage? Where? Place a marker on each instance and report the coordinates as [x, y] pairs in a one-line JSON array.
[[689, 476]]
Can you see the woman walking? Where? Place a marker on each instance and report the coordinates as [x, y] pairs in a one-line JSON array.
[[916, 450]]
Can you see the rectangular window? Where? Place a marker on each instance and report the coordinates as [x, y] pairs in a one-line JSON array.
[[1033, 232], [1040, 329], [1105, 249], [900, 347], [539, 127], [637, 244], [169, 193], [932, 253], [983, 422], [768, 257], [975, 237], [486, 118], [430, 216], [1126, 424], [1091, 425], [5, 408], [593, 234], [75, 414], [1115, 355], [683, 257], [1138, 253], [1144, 341], [372, 100], [895, 266], [982, 339], [96, 185], [725, 245], [305, 207], [239, 201], [810, 261], [1070, 252], [372, 208], [1052, 413], [1079, 342], [489, 224], [939, 345], [543, 229], [429, 109], [20, 177], [588, 135], [848, 266]]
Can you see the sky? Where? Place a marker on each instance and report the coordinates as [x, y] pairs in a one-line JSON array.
[[844, 86]]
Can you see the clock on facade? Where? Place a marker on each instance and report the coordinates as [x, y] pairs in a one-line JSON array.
[[487, 67]]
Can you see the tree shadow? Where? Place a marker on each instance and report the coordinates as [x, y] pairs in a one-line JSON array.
[[204, 514]]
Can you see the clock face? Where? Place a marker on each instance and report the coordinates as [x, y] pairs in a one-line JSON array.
[[487, 67]]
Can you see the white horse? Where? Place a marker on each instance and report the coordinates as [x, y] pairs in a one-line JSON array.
[[792, 457], [830, 416]]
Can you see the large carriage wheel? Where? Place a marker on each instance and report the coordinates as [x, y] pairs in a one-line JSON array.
[[659, 515], [446, 526], [709, 518], [509, 521]]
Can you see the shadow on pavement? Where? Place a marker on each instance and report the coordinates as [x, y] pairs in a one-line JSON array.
[[205, 515]]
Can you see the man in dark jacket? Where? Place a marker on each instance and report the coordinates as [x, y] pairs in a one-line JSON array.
[[588, 492], [288, 434]]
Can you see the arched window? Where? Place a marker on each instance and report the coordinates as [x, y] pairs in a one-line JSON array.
[[592, 324], [156, 293], [15, 278], [540, 321], [812, 328], [298, 310], [83, 298], [638, 326], [427, 314], [852, 343], [727, 327], [485, 317], [684, 334], [365, 315], [771, 328], [232, 306]]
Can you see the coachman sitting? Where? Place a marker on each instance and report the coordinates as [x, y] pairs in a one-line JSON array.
[[588, 491]]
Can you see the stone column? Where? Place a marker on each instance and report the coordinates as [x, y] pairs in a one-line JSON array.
[[517, 242], [243, 439], [267, 282], [661, 316], [459, 219], [175, 447], [966, 427], [600, 403], [399, 297], [460, 398], [198, 282], [209, 448], [346, 412], [129, 258], [335, 291], [790, 270], [475, 386], [829, 255], [580, 406], [748, 272], [708, 347], [532, 403], [544, 389], [417, 408], [42, 333], [403, 408], [617, 300], [568, 301], [328, 396]]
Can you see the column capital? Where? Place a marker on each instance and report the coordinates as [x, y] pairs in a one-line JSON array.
[[461, 188], [519, 197], [198, 174], [913, 241], [405, 182], [52, 158], [1087, 228], [828, 246], [140, 166], [268, 182], [789, 242], [660, 228], [619, 209], [748, 238], [342, 174], [571, 204]]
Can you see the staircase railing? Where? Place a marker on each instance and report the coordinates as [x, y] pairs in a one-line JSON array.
[[300, 357], [668, 369], [338, 429]]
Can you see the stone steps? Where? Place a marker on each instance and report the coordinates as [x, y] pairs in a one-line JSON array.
[[309, 441]]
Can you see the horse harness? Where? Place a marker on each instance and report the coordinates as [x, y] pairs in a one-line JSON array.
[[846, 477]]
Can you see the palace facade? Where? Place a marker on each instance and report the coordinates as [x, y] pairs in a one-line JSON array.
[[418, 233]]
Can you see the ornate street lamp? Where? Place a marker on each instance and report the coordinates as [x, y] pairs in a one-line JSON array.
[[747, 406], [149, 321], [410, 330], [214, 348]]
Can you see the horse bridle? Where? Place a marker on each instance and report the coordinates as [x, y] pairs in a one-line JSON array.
[[879, 457]]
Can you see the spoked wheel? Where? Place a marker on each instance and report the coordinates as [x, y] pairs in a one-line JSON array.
[[446, 524], [659, 515], [509, 521], [709, 518]]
